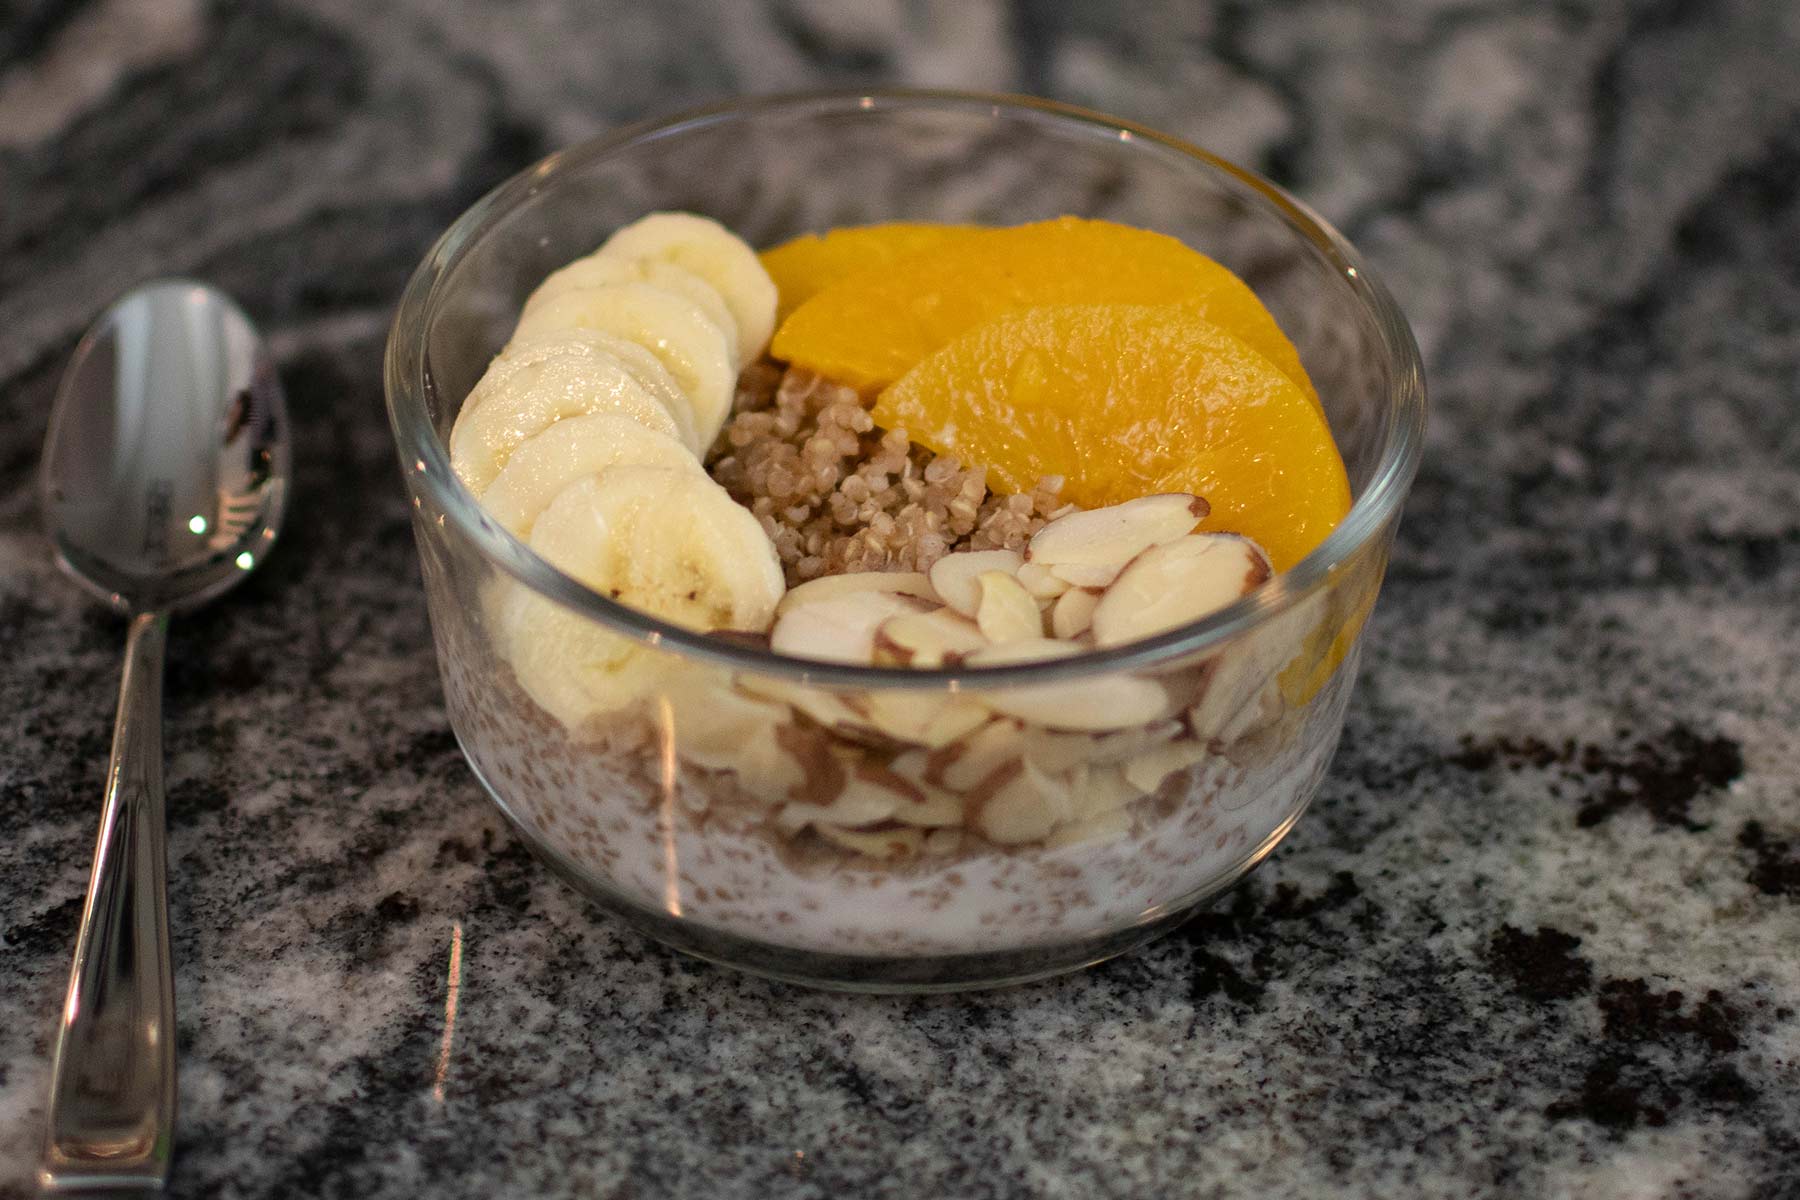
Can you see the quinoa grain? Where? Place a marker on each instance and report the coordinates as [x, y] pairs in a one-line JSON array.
[[838, 495]]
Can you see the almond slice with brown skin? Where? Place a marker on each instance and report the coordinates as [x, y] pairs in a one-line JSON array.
[[859, 803], [929, 719], [1006, 612], [1176, 583], [1149, 770], [903, 583], [964, 764], [1118, 533], [927, 639], [719, 728], [918, 803], [839, 628], [956, 576]]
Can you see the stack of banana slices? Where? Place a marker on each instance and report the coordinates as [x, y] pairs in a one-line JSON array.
[[584, 439]]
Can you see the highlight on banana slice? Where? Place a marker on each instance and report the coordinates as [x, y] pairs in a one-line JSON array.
[[963, 446]]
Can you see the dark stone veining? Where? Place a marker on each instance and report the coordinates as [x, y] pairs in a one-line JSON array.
[[1536, 936]]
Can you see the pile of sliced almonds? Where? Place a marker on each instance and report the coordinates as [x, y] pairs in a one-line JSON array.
[[895, 773], [1096, 578]]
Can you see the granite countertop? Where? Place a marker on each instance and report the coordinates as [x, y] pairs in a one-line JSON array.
[[1536, 937]]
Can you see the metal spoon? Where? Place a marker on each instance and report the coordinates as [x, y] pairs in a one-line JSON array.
[[165, 476]]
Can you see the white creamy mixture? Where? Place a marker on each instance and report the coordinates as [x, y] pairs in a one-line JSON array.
[[683, 853]]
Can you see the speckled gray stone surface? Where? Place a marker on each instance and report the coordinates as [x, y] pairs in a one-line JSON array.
[[1538, 935]]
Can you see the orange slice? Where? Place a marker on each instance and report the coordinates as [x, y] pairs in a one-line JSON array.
[[1127, 400], [871, 328], [805, 266]]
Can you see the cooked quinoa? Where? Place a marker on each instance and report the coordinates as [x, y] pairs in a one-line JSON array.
[[838, 495]]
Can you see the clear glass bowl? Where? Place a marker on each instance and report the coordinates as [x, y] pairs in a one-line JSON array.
[[1015, 851]]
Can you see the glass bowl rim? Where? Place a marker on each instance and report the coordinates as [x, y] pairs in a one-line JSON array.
[[425, 459]]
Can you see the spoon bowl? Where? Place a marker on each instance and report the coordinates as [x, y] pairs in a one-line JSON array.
[[164, 482], [166, 465]]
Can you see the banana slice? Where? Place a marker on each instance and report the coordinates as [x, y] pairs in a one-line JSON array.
[[718, 256], [668, 541], [568, 451], [573, 668], [644, 366], [597, 270], [525, 399], [671, 327]]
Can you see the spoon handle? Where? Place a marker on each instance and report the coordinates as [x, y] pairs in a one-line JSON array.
[[112, 1091]]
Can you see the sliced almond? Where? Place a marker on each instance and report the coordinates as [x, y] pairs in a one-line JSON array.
[[1023, 650], [1227, 705], [916, 803], [1233, 678], [1020, 811], [887, 845], [929, 719], [1096, 703], [955, 576], [937, 809], [719, 728], [827, 708], [1037, 579], [1117, 747], [1054, 752], [713, 725], [927, 639], [839, 628], [899, 715], [1096, 830], [1074, 612], [861, 802], [1055, 791], [823, 773], [1147, 771], [1176, 583], [1100, 703], [1083, 576], [1118, 533], [912, 766], [1103, 789], [767, 770], [1006, 612], [966, 763], [1259, 713], [956, 720], [900, 583]]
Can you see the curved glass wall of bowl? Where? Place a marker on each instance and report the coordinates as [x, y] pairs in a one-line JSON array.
[[641, 811]]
